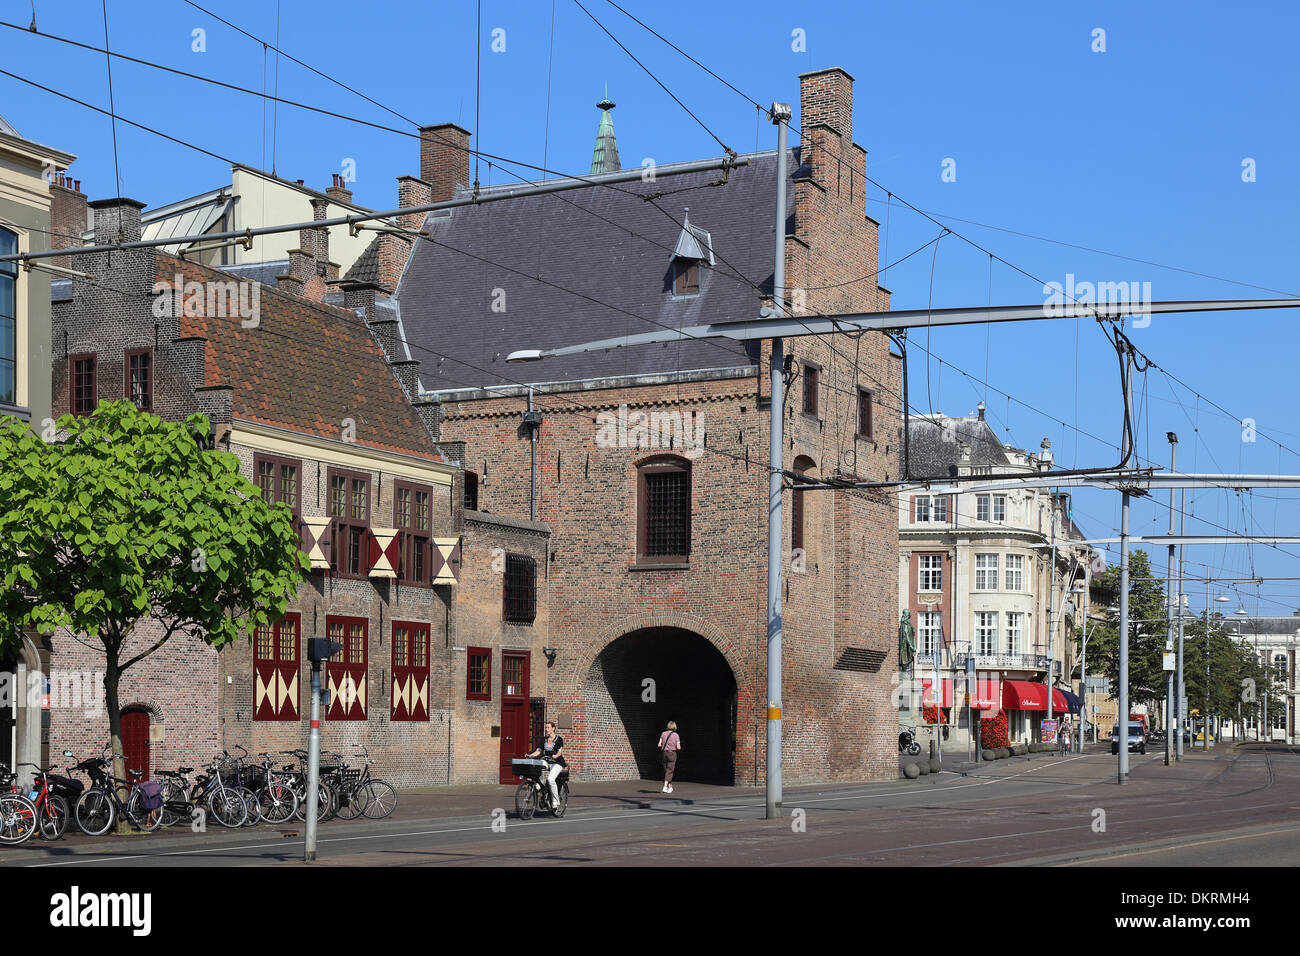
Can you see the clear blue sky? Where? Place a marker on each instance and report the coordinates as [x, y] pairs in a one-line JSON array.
[[1137, 150]]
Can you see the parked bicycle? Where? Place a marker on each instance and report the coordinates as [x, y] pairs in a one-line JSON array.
[[17, 812], [108, 798], [277, 801], [52, 811]]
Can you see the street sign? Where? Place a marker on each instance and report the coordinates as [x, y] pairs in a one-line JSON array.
[[1171, 662]]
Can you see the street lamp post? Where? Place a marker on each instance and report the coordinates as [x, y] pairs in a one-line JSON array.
[[1205, 717]]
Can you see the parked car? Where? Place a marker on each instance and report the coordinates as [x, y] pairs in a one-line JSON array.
[[1137, 738]]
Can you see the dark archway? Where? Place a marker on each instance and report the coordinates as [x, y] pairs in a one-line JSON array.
[[641, 681]]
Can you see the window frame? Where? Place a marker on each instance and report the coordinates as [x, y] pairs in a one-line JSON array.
[[93, 358], [469, 490], [999, 509], [984, 570], [935, 502], [684, 270], [518, 561], [924, 573], [415, 541], [278, 462], [343, 666], [11, 271], [986, 634], [928, 623], [659, 466], [983, 507], [470, 654], [1015, 631], [812, 380], [1018, 582], [127, 356], [922, 508], [866, 403], [346, 521], [799, 507]]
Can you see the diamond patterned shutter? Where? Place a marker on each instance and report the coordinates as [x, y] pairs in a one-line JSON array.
[[446, 560], [384, 545], [345, 673], [276, 670], [410, 671], [316, 539]]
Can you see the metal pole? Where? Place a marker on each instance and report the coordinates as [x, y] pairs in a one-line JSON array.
[[313, 765], [780, 114], [1169, 604], [1181, 689], [1205, 714], [1122, 744], [1051, 603], [1083, 662]]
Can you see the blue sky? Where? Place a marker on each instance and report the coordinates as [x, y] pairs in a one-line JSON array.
[[1136, 150]]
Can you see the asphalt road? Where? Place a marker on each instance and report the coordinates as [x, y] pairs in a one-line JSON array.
[[1228, 807]]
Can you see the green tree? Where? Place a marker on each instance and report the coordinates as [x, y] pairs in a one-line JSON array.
[[127, 519], [1146, 640]]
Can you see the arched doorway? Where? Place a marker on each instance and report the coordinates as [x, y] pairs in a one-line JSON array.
[[641, 681], [135, 739]]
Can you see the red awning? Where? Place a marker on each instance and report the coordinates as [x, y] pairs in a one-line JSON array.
[[1026, 695], [927, 697], [988, 693]]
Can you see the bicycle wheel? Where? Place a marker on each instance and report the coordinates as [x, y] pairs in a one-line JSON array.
[[227, 808], [558, 811], [380, 800], [525, 800], [324, 803], [253, 805], [95, 812], [277, 803], [53, 816], [351, 802], [144, 818], [17, 818], [175, 806]]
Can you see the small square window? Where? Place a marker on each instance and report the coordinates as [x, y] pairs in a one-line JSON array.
[[865, 400], [811, 381], [478, 674]]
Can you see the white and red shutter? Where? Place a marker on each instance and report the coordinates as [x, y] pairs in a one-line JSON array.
[[445, 560], [346, 676], [411, 680], [383, 547]]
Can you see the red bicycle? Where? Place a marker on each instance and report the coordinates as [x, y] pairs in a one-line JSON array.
[[52, 811], [17, 813]]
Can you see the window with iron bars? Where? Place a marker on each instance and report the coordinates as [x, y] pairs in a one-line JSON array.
[[519, 591], [665, 511]]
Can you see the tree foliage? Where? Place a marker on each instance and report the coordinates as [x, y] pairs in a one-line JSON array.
[[126, 518]]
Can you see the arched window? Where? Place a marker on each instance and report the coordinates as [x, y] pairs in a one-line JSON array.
[[664, 511]]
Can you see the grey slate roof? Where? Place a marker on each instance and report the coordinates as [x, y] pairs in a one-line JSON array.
[[935, 445], [1263, 625], [263, 272], [446, 297], [365, 271]]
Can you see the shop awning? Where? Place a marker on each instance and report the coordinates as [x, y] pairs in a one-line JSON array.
[[927, 695], [1026, 695], [1073, 699], [988, 693]]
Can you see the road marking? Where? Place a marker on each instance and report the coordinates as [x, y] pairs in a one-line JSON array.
[[1181, 846]]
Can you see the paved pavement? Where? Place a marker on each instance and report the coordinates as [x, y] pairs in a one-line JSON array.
[[1234, 805]]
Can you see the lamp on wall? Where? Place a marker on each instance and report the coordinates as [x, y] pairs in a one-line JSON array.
[[550, 653]]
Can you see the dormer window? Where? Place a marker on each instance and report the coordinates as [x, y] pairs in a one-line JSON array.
[[694, 249]]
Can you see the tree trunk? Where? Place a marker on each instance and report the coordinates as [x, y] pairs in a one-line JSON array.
[[113, 706]]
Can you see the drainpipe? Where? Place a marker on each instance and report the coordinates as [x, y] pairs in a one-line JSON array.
[[532, 459]]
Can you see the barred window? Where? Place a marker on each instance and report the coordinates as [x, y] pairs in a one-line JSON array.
[[519, 598], [262, 643], [664, 525]]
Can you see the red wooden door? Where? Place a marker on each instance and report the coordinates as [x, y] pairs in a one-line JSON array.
[[135, 740], [514, 710], [345, 673]]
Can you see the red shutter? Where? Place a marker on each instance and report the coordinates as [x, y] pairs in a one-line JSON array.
[[345, 675], [276, 689], [411, 680], [911, 504]]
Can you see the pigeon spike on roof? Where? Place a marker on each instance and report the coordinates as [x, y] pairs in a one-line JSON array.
[[604, 158]]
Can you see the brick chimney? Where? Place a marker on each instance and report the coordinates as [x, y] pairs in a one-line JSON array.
[[116, 220], [69, 216], [338, 192], [310, 269], [826, 118], [444, 159], [413, 192]]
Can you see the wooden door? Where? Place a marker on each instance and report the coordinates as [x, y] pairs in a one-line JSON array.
[[514, 710], [135, 739]]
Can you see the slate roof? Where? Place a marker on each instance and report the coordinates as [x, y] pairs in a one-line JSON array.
[[365, 271], [446, 296], [305, 367], [935, 445], [1263, 625], [263, 272]]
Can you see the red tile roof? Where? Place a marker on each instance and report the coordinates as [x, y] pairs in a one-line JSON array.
[[305, 367]]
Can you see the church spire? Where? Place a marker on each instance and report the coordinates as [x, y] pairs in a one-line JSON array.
[[604, 158]]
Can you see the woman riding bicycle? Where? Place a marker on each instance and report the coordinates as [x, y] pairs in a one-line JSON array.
[[552, 750]]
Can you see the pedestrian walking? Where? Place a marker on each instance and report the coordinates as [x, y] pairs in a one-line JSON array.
[[669, 745], [1063, 739]]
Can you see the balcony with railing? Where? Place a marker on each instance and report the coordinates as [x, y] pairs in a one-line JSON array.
[[1009, 662]]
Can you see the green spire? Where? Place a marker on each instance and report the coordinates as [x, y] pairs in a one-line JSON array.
[[604, 158]]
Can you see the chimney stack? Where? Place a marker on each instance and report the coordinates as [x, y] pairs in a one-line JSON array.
[[69, 216], [444, 159], [339, 192]]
